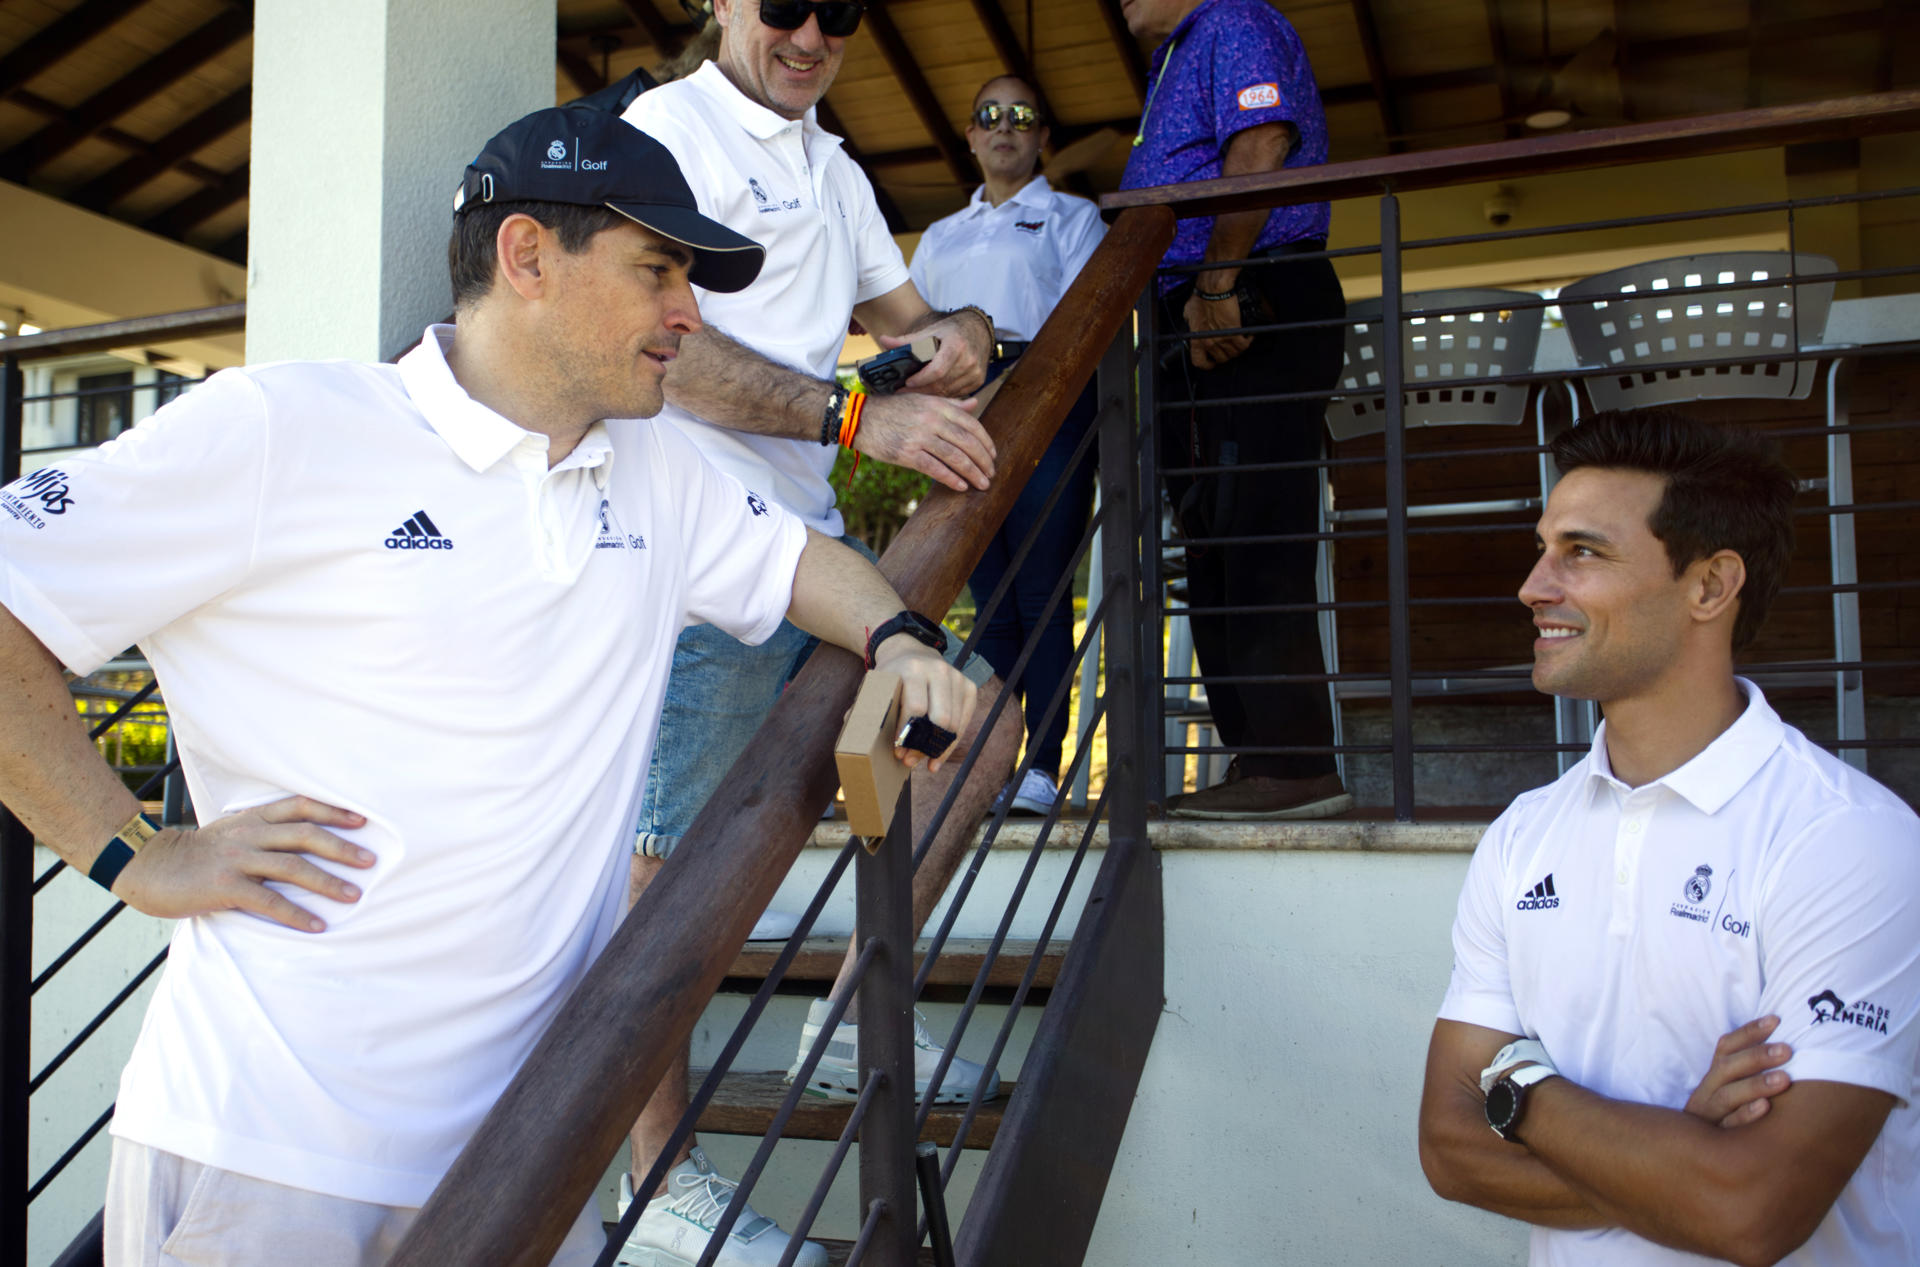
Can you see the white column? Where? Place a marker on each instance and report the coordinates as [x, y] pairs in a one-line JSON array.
[[365, 112]]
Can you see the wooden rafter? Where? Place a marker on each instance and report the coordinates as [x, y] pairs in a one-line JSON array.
[[113, 136], [145, 81], [1063, 134], [1503, 62], [1012, 55], [1134, 61], [195, 209], [660, 33], [1377, 73], [578, 69], [62, 36], [201, 130], [1623, 53], [825, 116], [919, 92]]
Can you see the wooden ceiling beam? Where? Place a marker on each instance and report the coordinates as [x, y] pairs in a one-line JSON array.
[[60, 37], [826, 117], [660, 33], [1377, 73], [195, 209], [580, 71], [1064, 134], [201, 130], [1503, 62], [1012, 55], [1131, 58], [112, 136], [920, 93], [143, 82]]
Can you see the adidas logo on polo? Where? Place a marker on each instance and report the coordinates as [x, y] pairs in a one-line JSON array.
[[418, 533], [1540, 897]]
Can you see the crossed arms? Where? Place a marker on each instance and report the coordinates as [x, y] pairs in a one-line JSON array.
[[1745, 1172]]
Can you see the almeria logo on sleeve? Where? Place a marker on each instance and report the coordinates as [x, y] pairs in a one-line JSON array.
[[418, 533], [1540, 897], [1259, 96], [1828, 1006]]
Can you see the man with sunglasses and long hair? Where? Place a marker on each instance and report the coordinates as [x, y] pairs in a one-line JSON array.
[[755, 392], [1014, 249]]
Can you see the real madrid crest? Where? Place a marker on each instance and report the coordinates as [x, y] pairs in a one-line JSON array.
[[1699, 884]]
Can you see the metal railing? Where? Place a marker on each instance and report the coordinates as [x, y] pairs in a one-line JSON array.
[[1558, 400]]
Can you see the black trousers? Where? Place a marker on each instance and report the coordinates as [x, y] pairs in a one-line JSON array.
[[1262, 503]]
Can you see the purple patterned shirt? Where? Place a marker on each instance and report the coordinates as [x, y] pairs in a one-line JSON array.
[[1229, 65]]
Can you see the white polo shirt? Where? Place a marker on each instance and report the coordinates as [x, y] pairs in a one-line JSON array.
[[357, 583], [1628, 929], [790, 187], [1015, 260]]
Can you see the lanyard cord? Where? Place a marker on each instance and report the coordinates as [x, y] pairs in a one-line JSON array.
[[1166, 63]]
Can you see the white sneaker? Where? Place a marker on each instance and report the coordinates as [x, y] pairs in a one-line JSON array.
[[676, 1225], [1037, 794], [837, 1076], [774, 925]]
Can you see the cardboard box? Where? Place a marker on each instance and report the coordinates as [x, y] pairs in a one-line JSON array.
[[870, 775]]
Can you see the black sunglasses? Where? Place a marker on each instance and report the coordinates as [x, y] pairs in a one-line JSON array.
[[987, 117], [838, 18]]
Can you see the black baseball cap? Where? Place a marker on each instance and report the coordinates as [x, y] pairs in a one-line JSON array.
[[592, 158]]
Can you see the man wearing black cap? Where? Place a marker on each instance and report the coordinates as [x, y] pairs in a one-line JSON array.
[[414, 621]]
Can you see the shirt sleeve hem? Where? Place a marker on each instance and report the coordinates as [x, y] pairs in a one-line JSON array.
[[888, 281], [1480, 1010], [79, 653], [1856, 1070]]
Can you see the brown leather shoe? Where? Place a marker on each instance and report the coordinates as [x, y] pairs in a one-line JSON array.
[[1252, 797]]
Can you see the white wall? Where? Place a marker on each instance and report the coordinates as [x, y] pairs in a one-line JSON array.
[[365, 114]]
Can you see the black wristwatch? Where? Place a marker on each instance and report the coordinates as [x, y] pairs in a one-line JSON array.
[[912, 624], [1507, 1099]]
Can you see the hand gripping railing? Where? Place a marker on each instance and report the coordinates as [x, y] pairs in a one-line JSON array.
[[517, 1187]]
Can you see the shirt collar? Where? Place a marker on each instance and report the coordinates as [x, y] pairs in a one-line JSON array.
[[757, 121], [1723, 767], [1035, 193], [477, 435]]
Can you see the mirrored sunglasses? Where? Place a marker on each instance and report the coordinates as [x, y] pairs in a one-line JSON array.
[[987, 117], [838, 18]]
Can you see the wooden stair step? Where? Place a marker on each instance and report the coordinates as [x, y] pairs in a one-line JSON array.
[[819, 959], [746, 1102]]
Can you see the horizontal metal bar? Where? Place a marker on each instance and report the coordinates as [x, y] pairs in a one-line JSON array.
[[1746, 670], [117, 389], [167, 327]]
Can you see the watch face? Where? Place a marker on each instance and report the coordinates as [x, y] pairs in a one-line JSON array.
[[1502, 1101]]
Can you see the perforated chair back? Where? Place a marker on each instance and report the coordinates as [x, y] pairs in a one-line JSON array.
[[1643, 320], [1496, 340]]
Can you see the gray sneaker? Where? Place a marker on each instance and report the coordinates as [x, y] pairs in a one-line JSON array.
[[837, 1076], [676, 1226]]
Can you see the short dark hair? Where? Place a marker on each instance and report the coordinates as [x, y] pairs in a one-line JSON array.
[[1726, 489], [471, 254]]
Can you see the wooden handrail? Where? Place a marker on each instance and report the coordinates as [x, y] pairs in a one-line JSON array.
[[165, 328], [1840, 119], [532, 1165]]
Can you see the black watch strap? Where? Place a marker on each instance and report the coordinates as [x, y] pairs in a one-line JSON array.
[[914, 625]]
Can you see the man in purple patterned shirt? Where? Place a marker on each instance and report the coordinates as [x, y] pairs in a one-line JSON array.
[[1232, 93]]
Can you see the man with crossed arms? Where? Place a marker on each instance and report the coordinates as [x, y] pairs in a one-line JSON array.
[[1704, 869]]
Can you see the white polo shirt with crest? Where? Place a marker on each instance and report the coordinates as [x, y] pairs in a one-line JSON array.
[[1015, 260], [1628, 929], [789, 186], [356, 583]]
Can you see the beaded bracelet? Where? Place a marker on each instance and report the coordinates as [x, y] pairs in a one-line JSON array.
[[830, 417]]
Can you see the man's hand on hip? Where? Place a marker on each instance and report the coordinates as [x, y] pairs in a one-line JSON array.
[[225, 865], [959, 368], [1215, 314], [928, 434], [930, 688]]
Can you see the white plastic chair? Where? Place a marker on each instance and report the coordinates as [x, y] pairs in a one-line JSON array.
[[1436, 351], [1632, 325]]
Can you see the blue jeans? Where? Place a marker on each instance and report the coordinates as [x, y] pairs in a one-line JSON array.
[[720, 691], [1018, 616]]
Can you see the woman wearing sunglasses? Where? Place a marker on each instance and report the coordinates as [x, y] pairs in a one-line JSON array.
[[1013, 250]]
